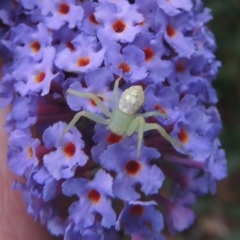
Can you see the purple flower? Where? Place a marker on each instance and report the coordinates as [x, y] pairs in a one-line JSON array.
[[174, 7], [22, 152], [62, 162], [110, 101], [154, 50], [40, 75], [90, 24], [85, 55], [178, 215], [118, 24], [28, 41], [140, 218], [165, 100], [103, 138], [94, 197], [130, 63], [96, 82], [131, 171], [57, 12], [217, 162], [23, 114], [172, 30], [195, 134]]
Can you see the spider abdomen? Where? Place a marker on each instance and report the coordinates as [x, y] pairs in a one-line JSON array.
[[131, 99]]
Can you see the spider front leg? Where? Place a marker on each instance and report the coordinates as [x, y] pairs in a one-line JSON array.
[[115, 89], [162, 131], [94, 97], [153, 113], [139, 124], [94, 117]]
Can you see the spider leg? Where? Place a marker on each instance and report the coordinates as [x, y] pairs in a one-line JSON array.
[[137, 125], [96, 118], [108, 99], [94, 97], [162, 131], [153, 113], [115, 89]]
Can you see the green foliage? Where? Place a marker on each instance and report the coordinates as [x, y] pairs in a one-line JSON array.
[[226, 28]]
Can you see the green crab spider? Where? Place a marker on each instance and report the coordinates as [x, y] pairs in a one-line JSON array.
[[123, 120]]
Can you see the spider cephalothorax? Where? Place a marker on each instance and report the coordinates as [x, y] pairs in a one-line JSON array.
[[124, 119]]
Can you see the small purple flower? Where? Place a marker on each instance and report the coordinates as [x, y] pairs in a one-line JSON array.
[[24, 113], [158, 69], [118, 24], [28, 41], [173, 33], [94, 197], [22, 152], [62, 38], [148, 10], [62, 162], [174, 7], [217, 162], [85, 55], [96, 82], [194, 134], [36, 206], [166, 101], [90, 24], [57, 226], [139, 218], [181, 223], [103, 138], [178, 214], [131, 171], [58, 12], [130, 63], [40, 75]]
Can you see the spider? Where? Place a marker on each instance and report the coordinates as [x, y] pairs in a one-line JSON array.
[[123, 120]]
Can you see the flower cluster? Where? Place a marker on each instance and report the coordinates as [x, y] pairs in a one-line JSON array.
[[91, 185]]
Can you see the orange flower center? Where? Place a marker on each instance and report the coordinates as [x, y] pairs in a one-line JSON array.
[[94, 196], [82, 62], [183, 136], [119, 26], [69, 149], [133, 167], [64, 8], [35, 46], [125, 68], [40, 77], [149, 54], [171, 32]]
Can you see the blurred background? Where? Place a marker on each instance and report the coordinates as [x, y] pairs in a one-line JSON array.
[[218, 217]]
